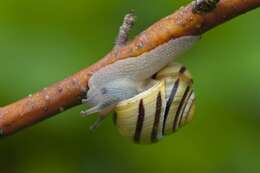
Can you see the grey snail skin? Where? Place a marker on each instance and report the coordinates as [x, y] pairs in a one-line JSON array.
[[147, 106]]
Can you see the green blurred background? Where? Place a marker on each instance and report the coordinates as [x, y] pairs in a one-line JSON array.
[[44, 41]]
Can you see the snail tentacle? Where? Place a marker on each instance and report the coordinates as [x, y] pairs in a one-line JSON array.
[[92, 110], [97, 123]]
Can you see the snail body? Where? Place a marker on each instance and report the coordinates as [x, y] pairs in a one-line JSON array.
[[160, 110], [126, 78], [112, 86]]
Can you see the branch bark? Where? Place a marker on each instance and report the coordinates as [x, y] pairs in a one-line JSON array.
[[69, 92]]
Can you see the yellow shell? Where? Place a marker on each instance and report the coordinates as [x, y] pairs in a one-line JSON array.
[[160, 110]]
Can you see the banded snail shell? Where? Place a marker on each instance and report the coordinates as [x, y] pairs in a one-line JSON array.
[[161, 110]]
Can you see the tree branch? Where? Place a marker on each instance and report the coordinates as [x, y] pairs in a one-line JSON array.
[[70, 91]]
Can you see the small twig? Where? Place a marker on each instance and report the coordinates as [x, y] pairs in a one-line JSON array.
[[127, 25], [69, 92]]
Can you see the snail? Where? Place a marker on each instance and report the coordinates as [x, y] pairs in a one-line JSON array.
[[145, 106]]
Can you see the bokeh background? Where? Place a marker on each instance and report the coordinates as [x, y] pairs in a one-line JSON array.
[[44, 41]]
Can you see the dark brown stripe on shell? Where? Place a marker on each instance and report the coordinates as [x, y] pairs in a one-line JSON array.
[[169, 103], [184, 107], [154, 76], [175, 122], [115, 118], [182, 70], [157, 118], [139, 123]]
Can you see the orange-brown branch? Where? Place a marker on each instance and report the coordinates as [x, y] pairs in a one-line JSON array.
[[68, 93]]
